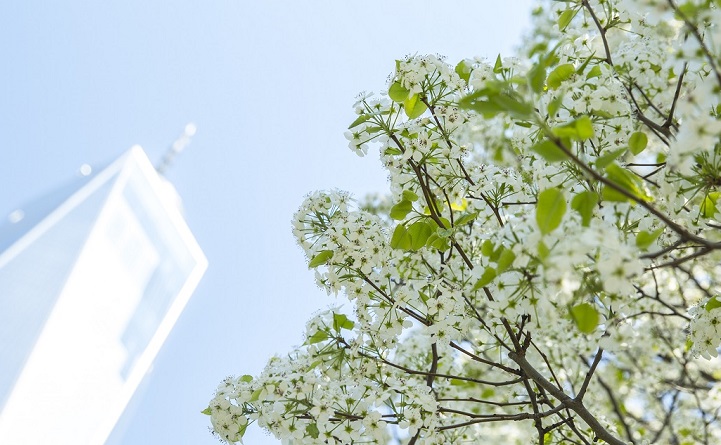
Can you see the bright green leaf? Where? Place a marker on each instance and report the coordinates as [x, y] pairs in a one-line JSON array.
[[487, 248], [583, 66], [400, 210], [584, 127], [498, 66], [318, 337], [549, 151], [543, 250], [603, 161], [483, 107], [340, 321], [708, 206], [625, 180], [712, 304], [644, 238], [505, 260], [585, 203], [465, 219], [321, 258], [419, 232], [206, 411], [537, 77], [565, 18], [401, 239], [550, 208], [409, 196], [488, 275], [579, 129], [256, 395], [637, 142], [595, 72], [559, 74], [246, 378], [312, 430], [397, 92], [554, 105], [444, 233], [586, 317], [414, 106], [463, 70], [438, 242], [362, 118]]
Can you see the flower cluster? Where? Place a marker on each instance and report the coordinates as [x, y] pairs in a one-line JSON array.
[[545, 266]]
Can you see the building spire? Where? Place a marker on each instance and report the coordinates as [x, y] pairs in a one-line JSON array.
[[177, 146]]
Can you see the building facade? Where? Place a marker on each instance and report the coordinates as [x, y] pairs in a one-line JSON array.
[[92, 279]]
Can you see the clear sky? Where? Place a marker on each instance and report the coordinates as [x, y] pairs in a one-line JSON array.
[[270, 86]]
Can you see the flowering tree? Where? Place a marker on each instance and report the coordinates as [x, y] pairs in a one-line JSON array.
[[546, 266]]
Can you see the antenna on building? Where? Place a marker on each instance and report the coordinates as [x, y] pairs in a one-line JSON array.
[[177, 146]]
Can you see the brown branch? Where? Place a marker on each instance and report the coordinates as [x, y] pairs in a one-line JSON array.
[[574, 404]]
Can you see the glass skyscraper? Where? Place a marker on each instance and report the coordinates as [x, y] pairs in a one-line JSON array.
[[92, 279]]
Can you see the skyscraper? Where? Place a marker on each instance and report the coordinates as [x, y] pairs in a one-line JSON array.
[[92, 280]]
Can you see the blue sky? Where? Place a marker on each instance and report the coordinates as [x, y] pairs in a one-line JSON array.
[[270, 86]]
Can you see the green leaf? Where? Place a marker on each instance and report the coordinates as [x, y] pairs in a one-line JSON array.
[[543, 250], [444, 233], [498, 66], [465, 219], [550, 208], [595, 72], [401, 210], [256, 395], [505, 260], [708, 206], [560, 74], [401, 239], [549, 151], [320, 258], [585, 203], [460, 382], [340, 321], [554, 105], [626, 180], [483, 107], [586, 317], [512, 105], [644, 238], [537, 77], [397, 92], [362, 118], [712, 304], [438, 242], [488, 275], [463, 70], [579, 129], [487, 248], [584, 127], [444, 221], [637, 142], [318, 337], [419, 231], [583, 66], [603, 161], [414, 106], [565, 18], [409, 196], [312, 430], [246, 378], [206, 411]]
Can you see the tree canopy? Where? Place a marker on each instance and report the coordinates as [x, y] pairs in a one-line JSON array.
[[547, 264]]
